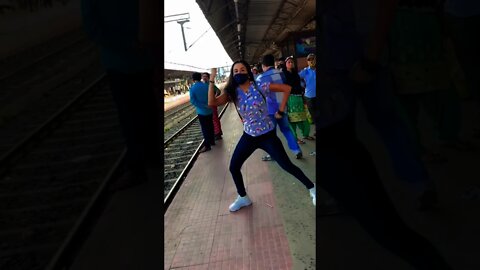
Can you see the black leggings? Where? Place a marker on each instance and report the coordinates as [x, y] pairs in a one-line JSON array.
[[271, 144], [346, 170]]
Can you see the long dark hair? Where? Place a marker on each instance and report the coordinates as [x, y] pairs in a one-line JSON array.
[[231, 87], [294, 69], [292, 77]]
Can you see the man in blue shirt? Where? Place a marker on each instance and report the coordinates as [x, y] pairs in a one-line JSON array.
[[199, 99], [309, 74], [272, 75]]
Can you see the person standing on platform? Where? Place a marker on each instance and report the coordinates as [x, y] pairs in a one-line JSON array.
[[217, 126], [296, 109], [272, 75], [255, 72], [129, 64], [249, 100], [309, 74], [280, 63], [199, 99]]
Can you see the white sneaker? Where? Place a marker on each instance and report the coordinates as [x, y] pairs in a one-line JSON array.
[[313, 194], [239, 203]]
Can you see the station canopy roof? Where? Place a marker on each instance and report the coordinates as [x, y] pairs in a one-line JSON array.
[[263, 24]]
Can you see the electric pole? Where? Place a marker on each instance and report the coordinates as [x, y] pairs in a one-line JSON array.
[[181, 19]]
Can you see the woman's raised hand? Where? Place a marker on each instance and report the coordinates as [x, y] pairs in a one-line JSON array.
[[213, 74]]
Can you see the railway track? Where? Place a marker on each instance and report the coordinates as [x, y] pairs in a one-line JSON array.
[[30, 92], [41, 54], [27, 57], [171, 113], [50, 181], [180, 152], [174, 120], [57, 160], [60, 146]]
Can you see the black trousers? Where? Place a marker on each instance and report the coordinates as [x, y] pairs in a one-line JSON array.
[[139, 117], [271, 144], [312, 108], [206, 123]]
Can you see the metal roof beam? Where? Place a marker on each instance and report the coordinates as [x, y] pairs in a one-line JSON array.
[[287, 12]]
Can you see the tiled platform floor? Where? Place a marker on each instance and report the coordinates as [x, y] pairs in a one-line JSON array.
[[201, 233]]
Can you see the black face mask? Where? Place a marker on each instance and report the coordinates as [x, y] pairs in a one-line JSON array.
[[240, 78]]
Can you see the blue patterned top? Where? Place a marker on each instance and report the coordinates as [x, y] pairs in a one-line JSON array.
[[253, 109]]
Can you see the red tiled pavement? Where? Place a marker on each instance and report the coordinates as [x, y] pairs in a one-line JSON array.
[[201, 233]]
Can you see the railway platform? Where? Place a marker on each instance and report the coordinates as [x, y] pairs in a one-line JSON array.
[[200, 232], [172, 102], [276, 232]]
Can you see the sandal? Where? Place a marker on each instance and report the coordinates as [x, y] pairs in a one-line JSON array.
[[300, 141], [310, 138]]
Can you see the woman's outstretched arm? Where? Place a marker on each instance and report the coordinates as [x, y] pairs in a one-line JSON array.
[[212, 100]]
